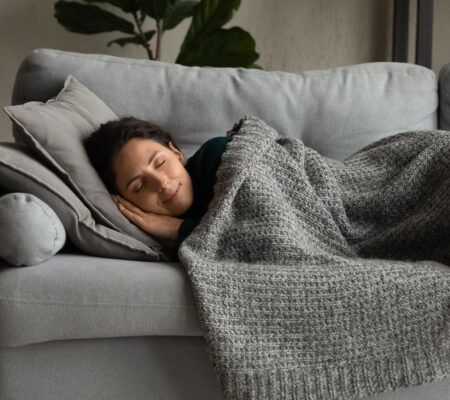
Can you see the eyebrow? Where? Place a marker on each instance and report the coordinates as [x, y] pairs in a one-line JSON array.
[[137, 176]]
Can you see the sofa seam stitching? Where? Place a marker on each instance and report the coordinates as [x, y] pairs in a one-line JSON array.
[[63, 304]]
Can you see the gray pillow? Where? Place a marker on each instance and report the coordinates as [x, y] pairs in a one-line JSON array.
[[21, 172], [31, 232], [55, 130]]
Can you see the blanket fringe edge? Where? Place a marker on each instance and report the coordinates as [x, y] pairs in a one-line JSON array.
[[334, 381]]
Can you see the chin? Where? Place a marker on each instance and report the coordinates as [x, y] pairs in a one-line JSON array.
[[180, 210], [178, 213]]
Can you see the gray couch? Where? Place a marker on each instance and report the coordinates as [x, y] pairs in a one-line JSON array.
[[83, 327]]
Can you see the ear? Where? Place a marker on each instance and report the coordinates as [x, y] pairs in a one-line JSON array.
[[178, 153]]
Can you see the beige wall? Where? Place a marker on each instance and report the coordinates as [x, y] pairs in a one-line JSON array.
[[291, 35]]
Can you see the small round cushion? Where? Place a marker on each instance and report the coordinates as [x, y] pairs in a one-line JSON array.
[[30, 231]]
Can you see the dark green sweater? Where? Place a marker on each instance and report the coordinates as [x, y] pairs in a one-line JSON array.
[[202, 168]]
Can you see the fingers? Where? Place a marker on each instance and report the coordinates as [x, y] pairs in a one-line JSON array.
[[132, 216], [127, 205], [129, 210], [115, 200]]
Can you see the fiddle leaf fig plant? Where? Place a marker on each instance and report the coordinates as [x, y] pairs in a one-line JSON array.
[[206, 42]]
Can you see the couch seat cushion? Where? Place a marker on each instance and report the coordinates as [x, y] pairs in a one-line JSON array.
[[75, 296]]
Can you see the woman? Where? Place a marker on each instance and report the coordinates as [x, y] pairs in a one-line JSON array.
[[150, 180]]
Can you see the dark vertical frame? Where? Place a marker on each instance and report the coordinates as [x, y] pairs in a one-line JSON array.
[[400, 32], [424, 33]]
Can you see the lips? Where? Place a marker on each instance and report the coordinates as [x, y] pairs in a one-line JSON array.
[[171, 195]]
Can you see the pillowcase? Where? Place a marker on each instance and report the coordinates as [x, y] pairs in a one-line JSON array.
[[21, 172], [56, 130], [31, 232]]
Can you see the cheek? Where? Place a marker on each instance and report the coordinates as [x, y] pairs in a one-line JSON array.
[[187, 184], [147, 202], [178, 172], [175, 168]]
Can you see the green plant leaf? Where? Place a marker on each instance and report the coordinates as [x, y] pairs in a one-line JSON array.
[[176, 11], [88, 19], [209, 15], [153, 8], [128, 6], [132, 39], [232, 47]]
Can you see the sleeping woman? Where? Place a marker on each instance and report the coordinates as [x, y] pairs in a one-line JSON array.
[[150, 180]]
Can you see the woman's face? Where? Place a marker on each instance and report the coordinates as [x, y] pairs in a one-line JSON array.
[[148, 173]]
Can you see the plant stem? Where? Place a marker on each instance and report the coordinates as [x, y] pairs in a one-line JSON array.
[[142, 17], [159, 33], [141, 35]]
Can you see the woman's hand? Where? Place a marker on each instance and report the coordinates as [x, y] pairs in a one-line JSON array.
[[162, 226]]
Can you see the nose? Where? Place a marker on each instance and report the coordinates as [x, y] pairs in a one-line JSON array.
[[164, 186], [158, 181]]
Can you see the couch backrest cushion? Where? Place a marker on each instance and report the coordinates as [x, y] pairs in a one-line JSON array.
[[335, 111], [20, 171], [55, 130]]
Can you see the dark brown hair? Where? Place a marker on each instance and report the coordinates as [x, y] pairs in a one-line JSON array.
[[103, 144]]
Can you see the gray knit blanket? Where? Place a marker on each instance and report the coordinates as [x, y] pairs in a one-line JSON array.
[[320, 279]]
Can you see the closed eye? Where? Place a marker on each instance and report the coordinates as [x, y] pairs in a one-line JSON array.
[[140, 187]]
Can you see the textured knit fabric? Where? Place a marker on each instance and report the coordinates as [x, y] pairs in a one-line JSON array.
[[318, 279], [202, 168]]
